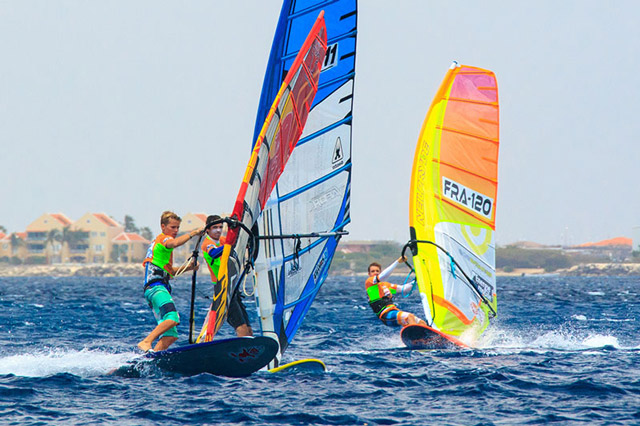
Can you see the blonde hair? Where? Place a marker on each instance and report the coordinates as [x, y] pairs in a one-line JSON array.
[[167, 216]]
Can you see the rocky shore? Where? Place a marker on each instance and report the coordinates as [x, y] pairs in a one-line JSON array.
[[602, 269], [71, 270], [136, 270]]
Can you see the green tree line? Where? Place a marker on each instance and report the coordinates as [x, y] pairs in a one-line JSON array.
[[384, 253], [507, 258]]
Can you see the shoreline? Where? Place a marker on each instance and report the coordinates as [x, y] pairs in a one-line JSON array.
[[73, 270], [136, 270]]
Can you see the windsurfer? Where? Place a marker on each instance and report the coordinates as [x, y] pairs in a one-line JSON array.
[[157, 290], [381, 294], [211, 248]]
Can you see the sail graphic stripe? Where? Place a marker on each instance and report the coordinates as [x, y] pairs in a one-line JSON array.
[[281, 129]]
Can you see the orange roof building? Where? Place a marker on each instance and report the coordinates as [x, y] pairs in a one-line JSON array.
[[129, 247], [192, 221], [5, 246], [613, 242], [41, 238], [48, 222], [100, 231]]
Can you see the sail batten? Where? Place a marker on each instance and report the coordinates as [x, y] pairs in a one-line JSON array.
[[306, 139], [448, 129], [471, 173]]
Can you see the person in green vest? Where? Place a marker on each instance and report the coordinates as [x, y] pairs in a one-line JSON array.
[[212, 246], [158, 270], [381, 292]]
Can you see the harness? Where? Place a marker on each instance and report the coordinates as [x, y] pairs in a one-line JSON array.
[[379, 305], [154, 276]]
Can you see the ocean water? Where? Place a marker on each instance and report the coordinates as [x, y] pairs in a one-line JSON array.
[[563, 351]]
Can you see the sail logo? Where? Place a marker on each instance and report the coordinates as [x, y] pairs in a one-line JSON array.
[[337, 159], [483, 286], [320, 200], [319, 265], [467, 197], [421, 184], [247, 354], [331, 57]]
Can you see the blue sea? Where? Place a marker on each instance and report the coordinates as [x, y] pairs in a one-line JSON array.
[[563, 351]]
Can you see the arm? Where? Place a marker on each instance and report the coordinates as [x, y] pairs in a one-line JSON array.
[[385, 274], [403, 289], [216, 252], [182, 239], [213, 252]]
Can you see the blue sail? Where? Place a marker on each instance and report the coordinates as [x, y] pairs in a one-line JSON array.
[[313, 193]]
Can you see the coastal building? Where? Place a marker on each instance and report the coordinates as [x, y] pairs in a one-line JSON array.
[[13, 247], [94, 238], [94, 234], [44, 238], [615, 249], [635, 237], [5, 246], [128, 247], [190, 221]]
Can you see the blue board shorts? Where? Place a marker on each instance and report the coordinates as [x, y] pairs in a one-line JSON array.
[[161, 303]]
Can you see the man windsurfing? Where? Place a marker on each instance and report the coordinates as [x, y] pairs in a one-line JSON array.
[[381, 294]]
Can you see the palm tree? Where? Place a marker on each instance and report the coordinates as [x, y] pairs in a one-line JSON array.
[[117, 252], [52, 236], [130, 224], [146, 233], [73, 238], [3, 229], [16, 243]]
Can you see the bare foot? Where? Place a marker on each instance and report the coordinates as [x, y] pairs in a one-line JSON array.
[[244, 330], [144, 346]]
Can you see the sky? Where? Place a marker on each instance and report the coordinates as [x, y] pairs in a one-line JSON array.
[[133, 108]]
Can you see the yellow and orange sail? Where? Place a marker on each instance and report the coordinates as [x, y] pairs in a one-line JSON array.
[[453, 203]]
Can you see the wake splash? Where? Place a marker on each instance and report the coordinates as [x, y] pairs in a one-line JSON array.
[[565, 340], [84, 363]]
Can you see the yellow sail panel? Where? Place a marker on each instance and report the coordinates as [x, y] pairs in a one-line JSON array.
[[452, 203]]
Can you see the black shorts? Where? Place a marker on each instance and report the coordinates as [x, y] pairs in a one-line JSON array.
[[237, 311]]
